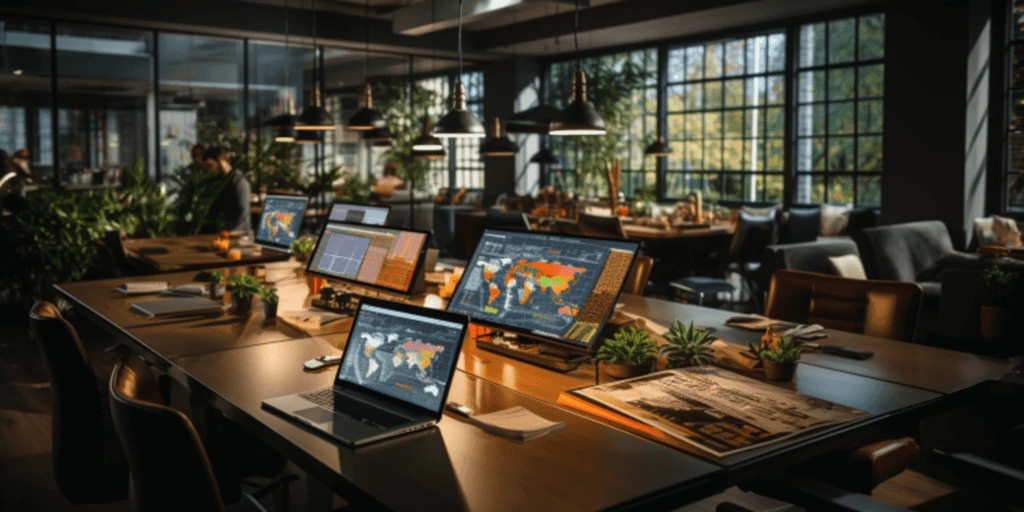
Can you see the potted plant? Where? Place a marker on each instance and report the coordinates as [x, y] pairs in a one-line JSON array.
[[628, 354], [687, 346], [301, 248], [997, 289], [243, 288], [216, 278], [270, 300], [780, 360]]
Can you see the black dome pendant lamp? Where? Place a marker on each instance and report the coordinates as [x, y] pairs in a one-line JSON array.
[[459, 122], [367, 118], [580, 117], [285, 123], [307, 137], [658, 148], [426, 141], [498, 144], [544, 157], [315, 117]]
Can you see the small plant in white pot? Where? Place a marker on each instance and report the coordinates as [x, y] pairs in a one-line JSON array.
[[301, 249], [997, 290], [216, 284], [628, 354], [270, 300]]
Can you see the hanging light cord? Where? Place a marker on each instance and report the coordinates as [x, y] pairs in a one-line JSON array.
[[366, 42], [287, 68], [316, 67], [576, 32], [460, 40]]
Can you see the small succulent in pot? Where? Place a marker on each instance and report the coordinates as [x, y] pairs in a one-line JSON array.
[[687, 346], [301, 248], [629, 353], [270, 300], [780, 360], [243, 288], [216, 278]]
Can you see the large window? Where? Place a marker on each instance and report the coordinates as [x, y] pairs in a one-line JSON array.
[[469, 166], [25, 93], [438, 175], [726, 107], [839, 82], [1013, 179]]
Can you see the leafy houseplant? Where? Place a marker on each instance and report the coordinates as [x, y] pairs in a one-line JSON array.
[[270, 300], [644, 200], [196, 189], [354, 188], [301, 248], [216, 278], [997, 292], [243, 288], [405, 120], [628, 354], [780, 360], [687, 346]]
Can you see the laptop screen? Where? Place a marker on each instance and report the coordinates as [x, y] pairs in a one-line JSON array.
[[359, 214], [370, 255], [401, 354], [280, 220]]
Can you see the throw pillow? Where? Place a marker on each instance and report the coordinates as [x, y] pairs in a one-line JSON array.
[[848, 266], [834, 219], [1005, 231]]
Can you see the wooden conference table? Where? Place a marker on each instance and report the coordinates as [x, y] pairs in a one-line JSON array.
[[178, 253], [235, 362]]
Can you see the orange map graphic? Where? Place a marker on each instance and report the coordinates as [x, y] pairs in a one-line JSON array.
[[420, 354], [283, 221], [552, 276]]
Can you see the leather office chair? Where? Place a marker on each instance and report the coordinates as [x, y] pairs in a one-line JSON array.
[[169, 466], [884, 309], [753, 235], [798, 225], [113, 243], [638, 276], [88, 463], [507, 220], [603, 226]]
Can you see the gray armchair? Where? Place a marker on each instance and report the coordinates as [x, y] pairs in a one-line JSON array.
[[807, 256]]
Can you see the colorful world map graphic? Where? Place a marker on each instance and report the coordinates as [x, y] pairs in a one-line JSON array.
[[551, 278], [277, 222]]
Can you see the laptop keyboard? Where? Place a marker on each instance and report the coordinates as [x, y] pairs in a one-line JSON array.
[[340, 404]]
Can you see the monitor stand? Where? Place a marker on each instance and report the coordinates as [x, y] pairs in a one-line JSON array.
[[531, 350]]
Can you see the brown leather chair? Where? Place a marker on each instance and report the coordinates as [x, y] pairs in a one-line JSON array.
[[884, 309], [638, 276], [601, 226], [169, 467], [88, 463]]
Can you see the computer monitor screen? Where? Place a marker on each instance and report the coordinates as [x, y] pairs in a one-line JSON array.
[[359, 214], [408, 353], [369, 255], [556, 287], [280, 220]]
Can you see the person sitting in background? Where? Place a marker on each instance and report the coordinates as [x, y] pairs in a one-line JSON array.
[[386, 186], [14, 175], [198, 155], [232, 204]]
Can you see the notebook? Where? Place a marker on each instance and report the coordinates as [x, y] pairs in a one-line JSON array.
[[517, 423], [142, 288], [180, 306]]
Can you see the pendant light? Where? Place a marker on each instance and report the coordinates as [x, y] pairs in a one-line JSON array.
[[498, 144], [307, 137], [544, 157], [459, 122], [426, 141], [315, 117], [580, 117], [377, 135], [285, 123], [658, 148], [367, 118]]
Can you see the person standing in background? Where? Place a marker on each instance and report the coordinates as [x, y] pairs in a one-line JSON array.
[[232, 204]]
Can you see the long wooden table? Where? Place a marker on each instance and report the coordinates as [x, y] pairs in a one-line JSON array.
[[178, 253], [901, 381]]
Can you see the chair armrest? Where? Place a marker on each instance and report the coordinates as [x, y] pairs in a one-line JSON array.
[[992, 475]]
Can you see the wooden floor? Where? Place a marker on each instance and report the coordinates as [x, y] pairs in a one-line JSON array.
[[26, 474]]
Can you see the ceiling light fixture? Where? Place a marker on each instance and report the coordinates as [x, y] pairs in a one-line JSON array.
[[367, 118], [498, 144], [426, 141], [544, 157], [377, 135], [285, 123], [658, 148], [315, 117], [459, 122], [580, 117], [307, 137]]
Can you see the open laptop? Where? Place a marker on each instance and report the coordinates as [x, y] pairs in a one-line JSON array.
[[280, 221], [394, 375]]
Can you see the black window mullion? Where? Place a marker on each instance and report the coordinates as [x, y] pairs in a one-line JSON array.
[[856, 106]]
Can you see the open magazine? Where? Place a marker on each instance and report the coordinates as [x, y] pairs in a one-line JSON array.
[[716, 410]]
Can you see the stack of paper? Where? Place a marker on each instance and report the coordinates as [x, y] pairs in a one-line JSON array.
[[516, 423]]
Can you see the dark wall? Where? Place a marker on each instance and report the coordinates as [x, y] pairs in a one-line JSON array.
[[503, 82], [926, 114]]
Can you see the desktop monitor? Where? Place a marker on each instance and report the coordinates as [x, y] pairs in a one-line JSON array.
[[554, 287], [359, 214], [374, 256], [280, 221]]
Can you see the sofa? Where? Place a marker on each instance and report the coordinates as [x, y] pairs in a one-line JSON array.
[[807, 256]]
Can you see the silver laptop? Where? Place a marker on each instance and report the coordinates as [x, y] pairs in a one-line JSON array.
[[393, 378], [280, 221]]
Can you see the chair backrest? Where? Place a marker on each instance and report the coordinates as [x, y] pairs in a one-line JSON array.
[[603, 226], [798, 225], [113, 241], [902, 251], [79, 440], [884, 309], [807, 256], [638, 276], [169, 466], [753, 235], [507, 220]]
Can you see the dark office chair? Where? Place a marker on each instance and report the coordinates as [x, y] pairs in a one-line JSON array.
[[88, 463], [113, 245], [753, 235], [603, 226], [506, 220], [797, 225], [169, 466]]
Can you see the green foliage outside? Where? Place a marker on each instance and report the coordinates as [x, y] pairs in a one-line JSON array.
[[405, 119], [630, 345]]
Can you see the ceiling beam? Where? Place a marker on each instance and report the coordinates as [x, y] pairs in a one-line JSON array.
[[431, 16]]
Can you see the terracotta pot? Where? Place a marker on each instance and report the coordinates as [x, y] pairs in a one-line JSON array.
[[625, 370], [992, 319], [269, 310], [301, 257], [779, 372], [241, 305]]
